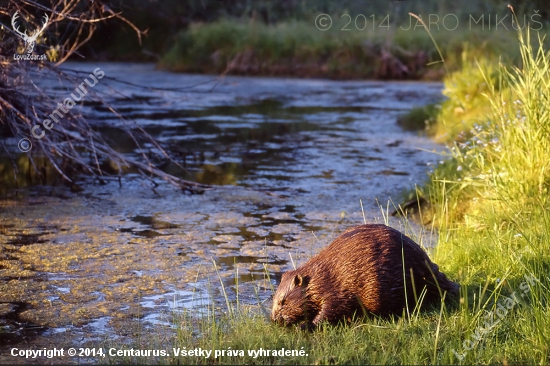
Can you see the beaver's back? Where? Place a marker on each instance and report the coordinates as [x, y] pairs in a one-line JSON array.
[[371, 259], [363, 269]]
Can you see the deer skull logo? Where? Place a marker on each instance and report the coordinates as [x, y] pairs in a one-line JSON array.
[[29, 40]]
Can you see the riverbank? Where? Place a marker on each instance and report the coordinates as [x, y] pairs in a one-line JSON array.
[[302, 49], [350, 39]]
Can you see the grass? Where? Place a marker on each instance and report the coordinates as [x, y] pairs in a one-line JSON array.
[[491, 205], [244, 336], [298, 48]]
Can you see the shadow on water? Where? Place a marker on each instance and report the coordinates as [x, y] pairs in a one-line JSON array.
[[151, 222], [14, 329], [22, 239]]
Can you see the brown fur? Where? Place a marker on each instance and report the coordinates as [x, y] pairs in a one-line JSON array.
[[361, 271]]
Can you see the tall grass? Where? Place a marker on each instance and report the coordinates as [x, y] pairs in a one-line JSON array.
[[491, 197]]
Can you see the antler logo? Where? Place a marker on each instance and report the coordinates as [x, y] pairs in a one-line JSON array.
[[29, 40]]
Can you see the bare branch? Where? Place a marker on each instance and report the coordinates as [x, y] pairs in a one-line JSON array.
[[25, 104]]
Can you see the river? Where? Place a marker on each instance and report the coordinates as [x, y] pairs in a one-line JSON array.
[[292, 162]]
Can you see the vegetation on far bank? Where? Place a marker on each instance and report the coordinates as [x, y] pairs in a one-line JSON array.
[[373, 39], [300, 49]]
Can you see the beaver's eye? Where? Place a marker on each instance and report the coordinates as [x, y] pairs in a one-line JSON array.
[[282, 302]]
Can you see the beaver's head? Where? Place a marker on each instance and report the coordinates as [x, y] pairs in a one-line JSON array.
[[292, 303]]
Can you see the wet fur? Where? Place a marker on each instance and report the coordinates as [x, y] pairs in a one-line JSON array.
[[360, 271]]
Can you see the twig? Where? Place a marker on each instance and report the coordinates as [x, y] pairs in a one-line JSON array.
[[24, 104]]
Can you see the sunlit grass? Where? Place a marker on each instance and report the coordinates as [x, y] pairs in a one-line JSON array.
[[491, 197], [478, 331]]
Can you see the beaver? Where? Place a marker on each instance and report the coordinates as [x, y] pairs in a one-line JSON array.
[[360, 272]]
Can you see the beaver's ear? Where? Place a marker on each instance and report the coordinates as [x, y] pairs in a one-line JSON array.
[[300, 281]]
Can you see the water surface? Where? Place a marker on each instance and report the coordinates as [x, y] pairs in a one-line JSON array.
[[290, 161]]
